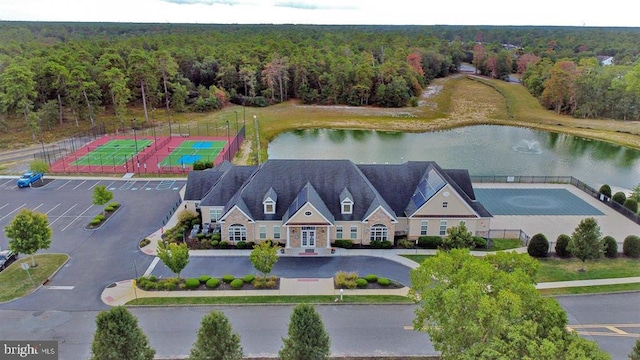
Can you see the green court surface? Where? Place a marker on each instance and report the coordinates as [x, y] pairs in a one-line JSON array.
[[191, 151], [113, 153]]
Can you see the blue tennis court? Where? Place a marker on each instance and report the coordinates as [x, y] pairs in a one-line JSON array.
[[533, 202]]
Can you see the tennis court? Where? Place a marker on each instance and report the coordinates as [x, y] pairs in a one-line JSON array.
[[114, 152], [190, 151], [536, 201]]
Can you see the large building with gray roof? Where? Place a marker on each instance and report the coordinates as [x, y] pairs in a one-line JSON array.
[[308, 204]]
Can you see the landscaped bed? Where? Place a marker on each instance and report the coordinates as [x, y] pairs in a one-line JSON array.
[[206, 282]]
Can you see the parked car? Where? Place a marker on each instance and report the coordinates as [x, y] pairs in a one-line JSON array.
[[29, 178], [6, 258]]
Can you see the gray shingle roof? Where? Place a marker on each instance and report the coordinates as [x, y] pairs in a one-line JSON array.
[[308, 194], [228, 185], [200, 182]]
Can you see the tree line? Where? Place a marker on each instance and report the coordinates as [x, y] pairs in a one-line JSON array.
[[58, 73]]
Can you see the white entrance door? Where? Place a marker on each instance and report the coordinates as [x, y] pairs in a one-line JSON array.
[[308, 236]]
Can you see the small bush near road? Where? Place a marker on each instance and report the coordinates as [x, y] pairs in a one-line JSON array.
[[429, 242], [228, 278], [343, 243], [384, 282], [361, 283], [406, 244], [631, 204], [631, 246], [345, 280], [212, 283], [204, 278], [479, 242], [236, 284], [538, 246], [192, 283], [248, 279], [371, 277], [561, 246], [144, 242], [610, 247]]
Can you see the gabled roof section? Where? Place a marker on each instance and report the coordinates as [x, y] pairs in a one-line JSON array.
[[345, 195], [200, 182], [308, 194], [429, 185], [270, 194], [228, 185], [237, 202]]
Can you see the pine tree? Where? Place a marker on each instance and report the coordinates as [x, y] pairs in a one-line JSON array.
[[118, 337], [216, 339], [308, 340], [585, 241], [635, 352]]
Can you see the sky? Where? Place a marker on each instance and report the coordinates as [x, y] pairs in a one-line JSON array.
[[340, 12]]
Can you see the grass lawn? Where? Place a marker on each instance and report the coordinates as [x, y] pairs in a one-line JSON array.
[[567, 269], [504, 244], [234, 300], [590, 289], [15, 282]]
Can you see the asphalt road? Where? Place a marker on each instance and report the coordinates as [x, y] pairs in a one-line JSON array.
[[65, 309]]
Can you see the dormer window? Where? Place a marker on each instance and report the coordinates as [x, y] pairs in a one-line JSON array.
[[346, 202], [269, 202], [269, 206], [347, 206]]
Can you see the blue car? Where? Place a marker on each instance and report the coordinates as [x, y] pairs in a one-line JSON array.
[[29, 178]]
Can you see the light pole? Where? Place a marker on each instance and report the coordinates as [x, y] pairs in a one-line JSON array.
[[44, 155], [135, 139], [228, 143], [255, 124]]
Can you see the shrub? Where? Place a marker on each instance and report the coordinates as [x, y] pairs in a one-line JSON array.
[[605, 190], [99, 217], [113, 205], [631, 204], [376, 244], [198, 165], [248, 279], [610, 247], [343, 243], [345, 279], [619, 197], [631, 246], [538, 246], [228, 278], [223, 244], [429, 242], [386, 244], [241, 244], [215, 243], [216, 237], [406, 244], [479, 241], [108, 209], [371, 277], [204, 278], [212, 283], [200, 236], [144, 242], [94, 222], [384, 282], [236, 284], [271, 282], [169, 284], [361, 282], [192, 283], [561, 245]]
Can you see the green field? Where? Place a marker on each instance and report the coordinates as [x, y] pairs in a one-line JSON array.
[[113, 153]]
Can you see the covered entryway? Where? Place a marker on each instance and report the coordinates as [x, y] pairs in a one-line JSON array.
[[308, 236]]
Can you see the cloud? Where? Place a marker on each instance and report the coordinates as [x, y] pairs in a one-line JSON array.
[[310, 5], [203, 2]]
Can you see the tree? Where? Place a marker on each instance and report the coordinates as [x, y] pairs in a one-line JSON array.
[[263, 256], [174, 256], [308, 339], [585, 241], [101, 196], [216, 339], [635, 352], [489, 308], [635, 193], [118, 337], [631, 204], [29, 232], [538, 246], [605, 190], [39, 166], [458, 237], [562, 243]]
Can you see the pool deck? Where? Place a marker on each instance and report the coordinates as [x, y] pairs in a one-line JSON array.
[[611, 222]]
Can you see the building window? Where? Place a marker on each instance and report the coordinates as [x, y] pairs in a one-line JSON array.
[[347, 207], [237, 232], [339, 232], [215, 214], [276, 231], [378, 232], [424, 227], [308, 213], [263, 232], [269, 207], [443, 227], [445, 204], [354, 232]]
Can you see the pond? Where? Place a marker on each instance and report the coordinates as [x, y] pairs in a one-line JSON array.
[[483, 150]]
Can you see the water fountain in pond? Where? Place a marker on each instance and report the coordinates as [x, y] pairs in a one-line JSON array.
[[531, 147]]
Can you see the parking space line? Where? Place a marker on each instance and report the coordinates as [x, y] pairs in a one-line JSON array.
[[53, 208], [37, 207], [77, 186], [76, 218], [6, 182], [145, 185], [94, 185], [151, 266], [21, 206], [3, 206], [109, 186], [59, 287], [68, 181], [63, 214], [127, 185], [165, 184]]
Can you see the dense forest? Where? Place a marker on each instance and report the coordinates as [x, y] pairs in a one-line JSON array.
[[54, 73]]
